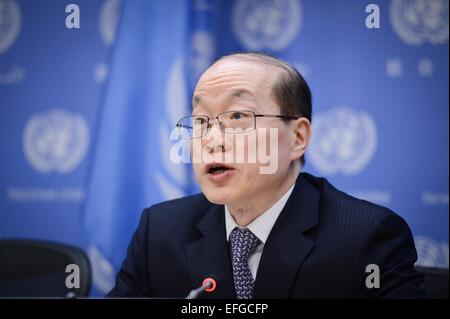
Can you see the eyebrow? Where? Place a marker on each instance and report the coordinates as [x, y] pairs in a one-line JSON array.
[[239, 93], [242, 94], [196, 101]]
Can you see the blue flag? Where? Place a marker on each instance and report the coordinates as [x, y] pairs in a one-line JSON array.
[[131, 167]]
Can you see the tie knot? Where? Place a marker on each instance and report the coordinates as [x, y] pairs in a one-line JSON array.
[[243, 242]]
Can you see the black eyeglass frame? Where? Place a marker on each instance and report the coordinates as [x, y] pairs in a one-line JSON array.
[[209, 125]]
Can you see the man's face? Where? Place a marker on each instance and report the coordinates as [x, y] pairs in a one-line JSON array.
[[232, 85]]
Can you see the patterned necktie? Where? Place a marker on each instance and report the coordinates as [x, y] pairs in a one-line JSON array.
[[243, 243]]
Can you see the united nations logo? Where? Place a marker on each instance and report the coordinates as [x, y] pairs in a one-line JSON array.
[[430, 252], [55, 141], [343, 140], [10, 21], [267, 24], [420, 21], [109, 20]]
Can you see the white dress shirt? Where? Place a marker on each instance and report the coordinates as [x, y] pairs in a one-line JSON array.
[[260, 227]]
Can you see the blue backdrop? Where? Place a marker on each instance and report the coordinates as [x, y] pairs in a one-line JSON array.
[[87, 113]]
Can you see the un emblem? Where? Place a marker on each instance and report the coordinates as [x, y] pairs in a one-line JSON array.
[[343, 140], [420, 21], [10, 21], [267, 24], [55, 141], [109, 20]]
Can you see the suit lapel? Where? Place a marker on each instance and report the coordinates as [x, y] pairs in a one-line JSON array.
[[284, 251], [209, 255], [287, 247]]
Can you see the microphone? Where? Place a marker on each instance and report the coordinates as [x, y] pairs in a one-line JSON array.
[[208, 285]]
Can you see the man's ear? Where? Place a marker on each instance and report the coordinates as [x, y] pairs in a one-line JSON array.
[[301, 130]]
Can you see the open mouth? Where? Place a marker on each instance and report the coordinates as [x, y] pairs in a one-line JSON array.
[[216, 169]]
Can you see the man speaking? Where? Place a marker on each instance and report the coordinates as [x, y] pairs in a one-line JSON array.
[[261, 228]]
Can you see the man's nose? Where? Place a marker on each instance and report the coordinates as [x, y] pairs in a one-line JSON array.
[[215, 138]]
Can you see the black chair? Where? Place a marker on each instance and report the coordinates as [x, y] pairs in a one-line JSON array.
[[32, 268], [436, 282]]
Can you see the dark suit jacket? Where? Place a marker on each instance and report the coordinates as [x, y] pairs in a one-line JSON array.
[[319, 247]]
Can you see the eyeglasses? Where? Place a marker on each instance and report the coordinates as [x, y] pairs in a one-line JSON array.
[[230, 122]]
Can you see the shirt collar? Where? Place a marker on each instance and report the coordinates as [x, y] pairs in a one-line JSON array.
[[262, 225]]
